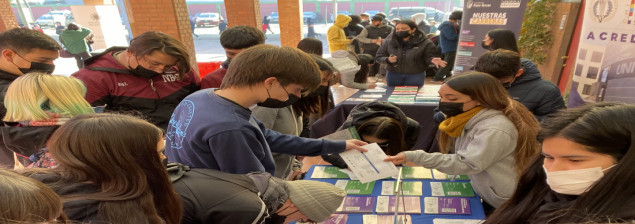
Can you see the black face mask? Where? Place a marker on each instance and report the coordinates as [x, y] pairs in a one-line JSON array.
[[451, 109], [36, 67], [142, 72], [402, 34], [275, 103], [275, 219], [507, 84], [486, 47]]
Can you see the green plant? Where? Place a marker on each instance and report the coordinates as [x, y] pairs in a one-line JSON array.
[[535, 35]]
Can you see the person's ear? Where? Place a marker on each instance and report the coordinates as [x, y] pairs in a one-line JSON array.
[[7, 54], [270, 81], [519, 73]]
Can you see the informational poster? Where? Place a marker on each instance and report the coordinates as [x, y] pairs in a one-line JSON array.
[[605, 63], [479, 17], [104, 22]]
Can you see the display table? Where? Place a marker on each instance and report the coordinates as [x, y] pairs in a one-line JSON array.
[[420, 112], [476, 206]]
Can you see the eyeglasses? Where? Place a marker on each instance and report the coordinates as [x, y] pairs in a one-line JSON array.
[[153, 65]]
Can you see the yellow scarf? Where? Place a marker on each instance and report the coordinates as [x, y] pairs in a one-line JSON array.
[[453, 126]]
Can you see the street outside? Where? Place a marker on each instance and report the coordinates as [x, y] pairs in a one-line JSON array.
[[207, 45]]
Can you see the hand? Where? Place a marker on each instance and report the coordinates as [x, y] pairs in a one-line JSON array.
[[375, 41], [392, 59], [295, 175], [355, 144], [372, 85], [439, 62], [396, 159]]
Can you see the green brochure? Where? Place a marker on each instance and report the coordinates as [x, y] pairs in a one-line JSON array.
[[452, 189], [415, 172], [328, 172], [356, 187], [410, 188], [438, 175]]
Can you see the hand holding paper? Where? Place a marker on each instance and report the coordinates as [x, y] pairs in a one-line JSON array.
[[369, 166], [397, 159], [355, 144]]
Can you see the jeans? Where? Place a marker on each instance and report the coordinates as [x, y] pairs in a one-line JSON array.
[[446, 72], [398, 79]]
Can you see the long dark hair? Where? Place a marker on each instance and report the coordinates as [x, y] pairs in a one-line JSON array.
[[605, 128], [385, 128], [311, 46], [488, 91], [362, 75], [117, 153], [503, 39], [314, 103]]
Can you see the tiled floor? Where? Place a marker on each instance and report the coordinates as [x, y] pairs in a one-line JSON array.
[[340, 93]]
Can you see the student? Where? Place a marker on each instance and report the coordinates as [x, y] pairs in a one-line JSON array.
[[25, 200], [487, 136], [232, 140], [540, 96], [251, 198], [109, 171], [23, 51], [311, 46], [382, 123], [353, 69], [291, 120], [408, 53], [74, 40], [37, 104], [150, 77], [449, 41], [234, 40], [336, 36], [585, 172], [371, 37]]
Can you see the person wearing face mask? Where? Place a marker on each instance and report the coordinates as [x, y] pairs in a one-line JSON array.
[[487, 136], [23, 51], [292, 119], [540, 96], [382, 123], [585, 172], [234, 40], [216, 129], [372, 36], [251, 198], [336, 36], [149, 78], [408, 53]]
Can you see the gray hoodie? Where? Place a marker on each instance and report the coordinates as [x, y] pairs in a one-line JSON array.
[[484, 152]]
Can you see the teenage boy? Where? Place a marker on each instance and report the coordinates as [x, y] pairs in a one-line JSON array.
[[23, 51], [234, 40], [216, 129]]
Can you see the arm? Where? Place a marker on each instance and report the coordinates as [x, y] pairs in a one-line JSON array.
[[430, 52], [448, 33], [334, 37], [550, 103], [363, 37], [237, 151], [85, 32], [348, 80], [293, 145], [382, 54], [486, 148]]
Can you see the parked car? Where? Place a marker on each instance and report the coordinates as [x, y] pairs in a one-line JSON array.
[[407, 12], [273, 17], [49, 19], [207, 19], [309, 15], [372, 12]]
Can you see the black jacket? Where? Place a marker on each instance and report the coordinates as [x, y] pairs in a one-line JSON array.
[[540, 96], [84, 211], [6, 157], [353, 30], [24, 141], [413, 56], [362, 112]]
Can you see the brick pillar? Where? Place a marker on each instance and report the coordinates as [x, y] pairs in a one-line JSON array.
[[99, 2], [290, 17], [243, 12], [167, 16], [7, 19]]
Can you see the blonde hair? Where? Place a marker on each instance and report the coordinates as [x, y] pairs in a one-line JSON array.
[[30, 95], [27, 200]]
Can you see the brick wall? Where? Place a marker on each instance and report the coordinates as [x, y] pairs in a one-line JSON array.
[[243, 12], [7, 19], [168, 16], [290, 17]]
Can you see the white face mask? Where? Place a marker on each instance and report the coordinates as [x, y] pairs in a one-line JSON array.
[[574, 182]]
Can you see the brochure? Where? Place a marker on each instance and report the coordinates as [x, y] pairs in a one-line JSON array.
[[438, 175], [446, 205], [342, 135], [358, 204], [452, 189], [415, 172], [410, 188], [328, 172], [384, 219], [356, 187], [386, 204], [369, 166]]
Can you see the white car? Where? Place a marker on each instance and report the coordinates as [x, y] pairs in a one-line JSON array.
[[49, 19], [207, 19]]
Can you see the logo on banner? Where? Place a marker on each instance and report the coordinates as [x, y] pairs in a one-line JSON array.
[[602, 10], [510, 4], [471, 3]]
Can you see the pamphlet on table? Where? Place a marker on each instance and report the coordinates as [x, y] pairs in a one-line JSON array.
[[446, 205], [357, 204], [386, 204], [452, 189]]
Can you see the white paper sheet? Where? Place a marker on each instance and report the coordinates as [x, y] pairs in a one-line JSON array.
[[369, 166]]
